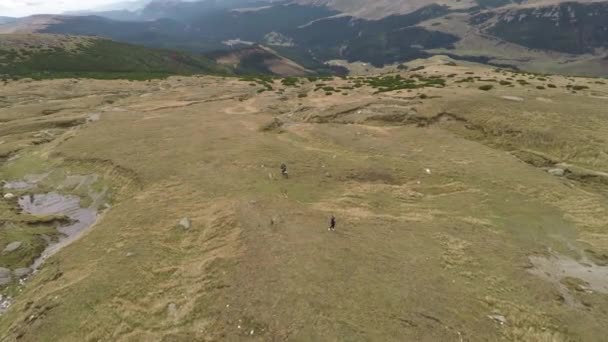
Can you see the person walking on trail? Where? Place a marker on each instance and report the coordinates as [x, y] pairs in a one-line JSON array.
[[284, 170], [332, 223]]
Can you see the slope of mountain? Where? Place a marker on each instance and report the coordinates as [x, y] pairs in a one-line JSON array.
[[159, 33], [384, 41], [125, 11], [574, 28], [53, 56], [144, 10], [377, 9], [259, 60], [202, 33], [31, 24]]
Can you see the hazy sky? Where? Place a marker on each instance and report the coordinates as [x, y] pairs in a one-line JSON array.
[[17, 8]]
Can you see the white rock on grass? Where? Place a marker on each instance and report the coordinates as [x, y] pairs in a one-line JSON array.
[[512, 98], [13, 246], [557, 172], [9, 196], [500, 319], [185, 223]]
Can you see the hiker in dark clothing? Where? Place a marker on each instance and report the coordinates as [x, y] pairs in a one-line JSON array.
[[332, 223], [284, 170]]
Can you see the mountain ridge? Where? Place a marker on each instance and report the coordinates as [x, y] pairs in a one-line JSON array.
[[380, 33]]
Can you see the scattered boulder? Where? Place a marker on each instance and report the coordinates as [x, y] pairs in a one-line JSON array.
[[557, 172], [513, 98], [5, 303], [5, 276], [172, 310], [21, 273], [9, 196], [500, 319], [185, 223], [11, 247]]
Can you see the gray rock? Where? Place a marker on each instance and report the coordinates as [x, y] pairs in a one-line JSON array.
[[21, 273], [172, 310], [185, 223], [557, 172], [13, 246], [500, 319], [5, 303], [5, 276]]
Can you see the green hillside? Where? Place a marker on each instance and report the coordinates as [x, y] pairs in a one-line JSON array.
[[94, 58]]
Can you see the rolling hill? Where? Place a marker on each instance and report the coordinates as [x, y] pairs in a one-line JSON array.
[[55, 56], [52, 56], [471, 205], [259, 60]]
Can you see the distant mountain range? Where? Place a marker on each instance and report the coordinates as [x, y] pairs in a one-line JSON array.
[[6, 20], [534, 35]]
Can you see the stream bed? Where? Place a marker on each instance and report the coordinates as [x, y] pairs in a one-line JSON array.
[[56, 204]]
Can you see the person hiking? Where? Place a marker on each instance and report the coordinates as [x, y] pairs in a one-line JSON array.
[[284, 170], [332, 223]]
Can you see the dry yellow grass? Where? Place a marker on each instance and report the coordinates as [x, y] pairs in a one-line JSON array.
[[437, 214]]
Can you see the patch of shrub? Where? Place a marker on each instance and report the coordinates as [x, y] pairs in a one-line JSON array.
[[468, 79], [290, 81], [273, 125], [486, 87]]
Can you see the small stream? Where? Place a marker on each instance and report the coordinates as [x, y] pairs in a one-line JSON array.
[[555, 268], [56, 204], [53, 203]]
